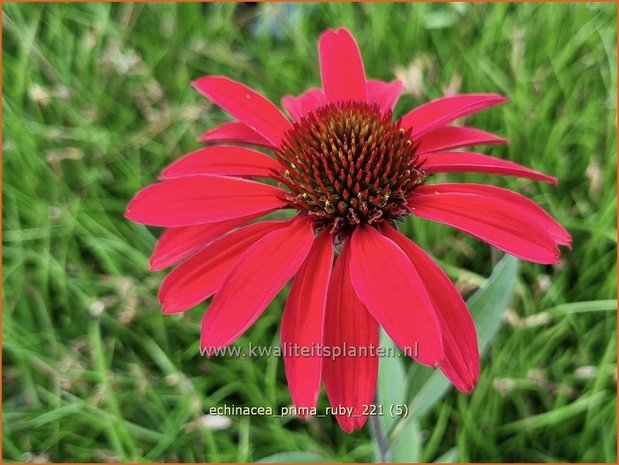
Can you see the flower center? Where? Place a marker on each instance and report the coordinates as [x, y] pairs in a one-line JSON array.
[[348, 164]]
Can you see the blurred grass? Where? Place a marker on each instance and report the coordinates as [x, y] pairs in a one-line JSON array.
[[97, 100]]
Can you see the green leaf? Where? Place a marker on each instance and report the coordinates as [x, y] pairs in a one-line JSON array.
[[450, 456], [441, 19], [298, 457], [557, 416], [590, 306], [487, 306], [392, 385], [407, 446], [490, 301], [391, 392]]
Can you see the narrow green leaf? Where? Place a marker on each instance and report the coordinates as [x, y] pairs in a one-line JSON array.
[[450, 456], [406, 447], [557, 416], [298, 457], [392, 386], [490, 301], [590, 306]]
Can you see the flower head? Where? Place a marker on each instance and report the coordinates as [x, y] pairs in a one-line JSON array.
[[349, 172]]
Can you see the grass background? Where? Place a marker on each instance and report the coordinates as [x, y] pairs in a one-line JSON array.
[[97, 100]]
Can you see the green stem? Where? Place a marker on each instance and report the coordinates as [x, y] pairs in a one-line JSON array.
[[380, 440]]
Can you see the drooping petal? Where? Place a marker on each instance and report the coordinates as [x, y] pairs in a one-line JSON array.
[[471, 162], [446, 109], [461, 363], [391, 289], [235, 132], [505, 224], [224, 160], [297, 107], [176, 244], [451, 137], [258, 275], [385, 94], [350, 381], [202, 199], [541, 216], [341, 66], [245, 104], [303, 322], [199, 277]]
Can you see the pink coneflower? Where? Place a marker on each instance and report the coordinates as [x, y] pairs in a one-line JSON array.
[[350, 174]]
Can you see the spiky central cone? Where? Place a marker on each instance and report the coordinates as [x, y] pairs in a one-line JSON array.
[[348, 164]]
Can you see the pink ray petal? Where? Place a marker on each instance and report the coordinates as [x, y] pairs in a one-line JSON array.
[[200, 276], [303, 322], [451, 137], [309, 101], [245, 104], [541, 216], [385, 94], [461, 364], [235, 132], [176, 244], [505, 224], [350, 381], [446, 109], [258, 275], [341, 66], [202, 199], [390, 287], [224, 160], [471, 162]]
